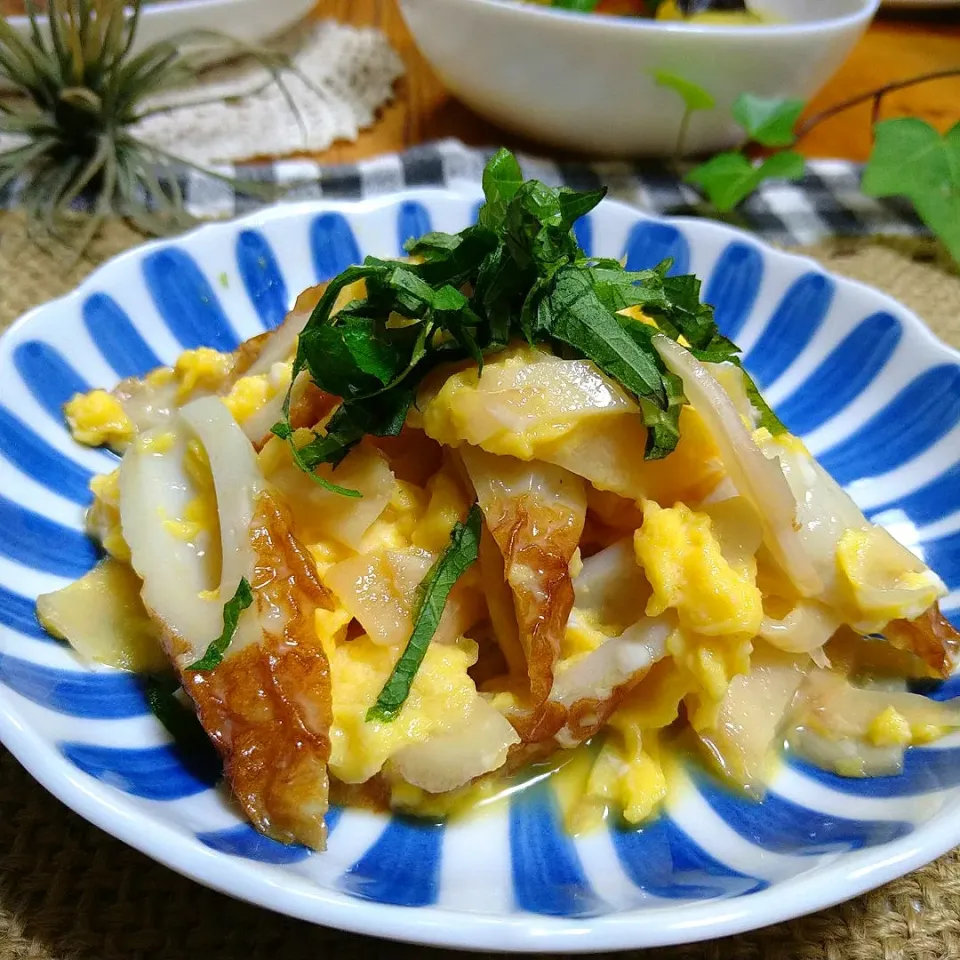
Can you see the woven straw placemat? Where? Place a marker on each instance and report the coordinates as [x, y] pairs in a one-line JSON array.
[[70, 892]]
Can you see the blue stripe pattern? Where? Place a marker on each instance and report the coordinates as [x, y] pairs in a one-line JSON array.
[[843, 376], [797, 318], [920, 415], [91, 696], [664, 861], [186, 301], [20, 614], [333, 245], [262, 278], [154, 773], [734, 286], [938, 689], [944, 556], [117, 338], [413, 221], [583, 231], [937, 499], [924, 770], [650, 242], [547, 875], [243, 841], [40, 544], [402, 867], [35, 458], [780, 825], [49, 378]]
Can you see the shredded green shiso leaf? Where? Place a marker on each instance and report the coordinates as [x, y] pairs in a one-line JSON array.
[[518, 273]]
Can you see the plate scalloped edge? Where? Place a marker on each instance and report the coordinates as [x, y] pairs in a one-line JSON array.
[[600, 898]]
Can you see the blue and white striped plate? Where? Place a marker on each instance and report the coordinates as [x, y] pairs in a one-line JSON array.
[[874, 395]]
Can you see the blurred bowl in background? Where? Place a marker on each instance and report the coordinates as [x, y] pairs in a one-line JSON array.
[[250, 21], [585, 82]]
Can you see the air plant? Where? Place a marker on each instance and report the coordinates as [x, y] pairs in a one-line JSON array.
[[80, 90]]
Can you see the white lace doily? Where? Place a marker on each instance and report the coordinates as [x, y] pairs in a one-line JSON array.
[[351, 72]]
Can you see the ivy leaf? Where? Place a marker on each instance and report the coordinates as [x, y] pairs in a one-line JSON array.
[[459, 555], [728, 178], [231, 617], [912, 159], [694, 97], [768, 120]]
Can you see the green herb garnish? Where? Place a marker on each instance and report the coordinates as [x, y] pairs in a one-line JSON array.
[[231, 617], [432, 595], [182, 724], [178, 721], [767, 418], [518, 273]]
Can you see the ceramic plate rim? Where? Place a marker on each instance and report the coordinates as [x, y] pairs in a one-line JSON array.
[[852, 874]]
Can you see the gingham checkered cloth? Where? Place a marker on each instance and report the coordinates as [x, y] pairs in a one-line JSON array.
[[826, 202]]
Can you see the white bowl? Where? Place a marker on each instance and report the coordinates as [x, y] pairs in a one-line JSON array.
[[852, 372], [250, 21], [585, 81]]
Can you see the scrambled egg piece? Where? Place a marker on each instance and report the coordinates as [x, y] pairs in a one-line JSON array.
[[582, 636], [712, 662], [200, 514], [103, 517], [250, 394], [890, 728], [686, 567], [447, 505], [203, 368], [624, 777], [879, 583], [97, 418], [441, 695], [247, 396]]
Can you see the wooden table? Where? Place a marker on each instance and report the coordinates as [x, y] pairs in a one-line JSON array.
[[896, 47]]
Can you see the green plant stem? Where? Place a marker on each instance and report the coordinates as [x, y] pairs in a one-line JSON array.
[[876, 96], [682, 135]]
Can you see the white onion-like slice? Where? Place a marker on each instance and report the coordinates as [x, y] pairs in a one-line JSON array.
[[102, 616], [379, 589], [155, 486], [615, 662], [805, 628], [758, 479], [752, 712], [450, 760], [832, 721], [321, 514], [611, 587]]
